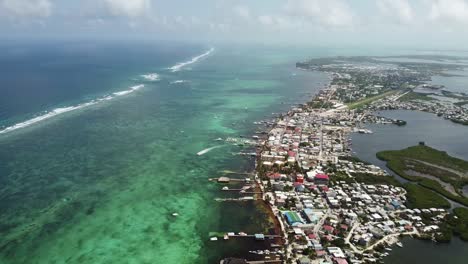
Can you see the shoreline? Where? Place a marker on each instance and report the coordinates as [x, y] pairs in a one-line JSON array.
[[268, 196]]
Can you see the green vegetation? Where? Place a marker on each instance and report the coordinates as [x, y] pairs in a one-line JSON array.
[[420, 197], [423, 164], [373, 179], [460, 225], [462, 103], [415, 96], [316, 104], [460, 96], [456, 224], [465, 123], [368, 100]]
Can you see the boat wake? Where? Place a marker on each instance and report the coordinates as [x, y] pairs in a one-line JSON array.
[[207, 150], [180, 65], [62, 110]]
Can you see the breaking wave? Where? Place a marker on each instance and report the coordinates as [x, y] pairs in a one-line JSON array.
[[62, 110], [180, 65], [151, 77]]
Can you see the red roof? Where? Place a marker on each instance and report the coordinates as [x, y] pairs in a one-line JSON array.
[[321, 176], [408, 227], [341, 261], [275, 176], [312, 236], [291, 154], [328, 228]]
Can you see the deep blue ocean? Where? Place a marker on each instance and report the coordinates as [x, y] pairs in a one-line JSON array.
[[37, 77]]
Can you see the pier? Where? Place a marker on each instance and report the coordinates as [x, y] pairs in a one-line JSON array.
[[242, 199], [239, 173], [226, 235], [228, 180]]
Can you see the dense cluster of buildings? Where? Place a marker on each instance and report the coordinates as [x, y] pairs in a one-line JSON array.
[[445, 107], [326, 213], [331, 207]]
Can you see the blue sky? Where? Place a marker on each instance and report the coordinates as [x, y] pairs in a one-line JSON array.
[[434, 23]]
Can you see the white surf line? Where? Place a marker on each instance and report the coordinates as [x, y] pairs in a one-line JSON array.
[[180, 65], [207, 150], [62, 110]]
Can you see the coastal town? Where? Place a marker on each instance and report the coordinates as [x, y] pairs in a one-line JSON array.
[[330, 206]]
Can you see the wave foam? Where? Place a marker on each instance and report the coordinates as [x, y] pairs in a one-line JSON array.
[[151, 77], [62, 110], [180, 65], [179, 81]]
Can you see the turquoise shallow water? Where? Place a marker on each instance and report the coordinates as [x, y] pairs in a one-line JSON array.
[[100, 184]]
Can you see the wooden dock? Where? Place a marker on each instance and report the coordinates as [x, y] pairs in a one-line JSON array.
[[253, 236], [242, 199], [238, 173]]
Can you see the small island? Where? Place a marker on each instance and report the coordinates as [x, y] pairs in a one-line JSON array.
[[432, 172], [430, 168]]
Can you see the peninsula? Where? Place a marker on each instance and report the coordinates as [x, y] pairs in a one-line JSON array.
[[334, 208]]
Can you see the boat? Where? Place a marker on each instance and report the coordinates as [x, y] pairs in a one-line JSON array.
[[399, 244], [365, 131], [388, 249], [175, 214], [226, 237], [206, 150], [214, 239]]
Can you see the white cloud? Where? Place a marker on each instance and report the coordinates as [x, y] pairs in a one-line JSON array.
[[266, 20], [334, 13], [242, 11], [453, 12], [400, 9], [26, 8], [130, 8]]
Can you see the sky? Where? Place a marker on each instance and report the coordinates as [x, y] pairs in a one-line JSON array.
[[435, 23]]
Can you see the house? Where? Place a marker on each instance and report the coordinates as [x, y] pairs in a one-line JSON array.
[[321, 179], [292, 218], [336, 252], [328, 229], [304, 260]]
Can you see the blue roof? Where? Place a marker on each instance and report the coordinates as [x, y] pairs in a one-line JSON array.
[[292, 217]]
